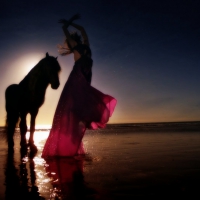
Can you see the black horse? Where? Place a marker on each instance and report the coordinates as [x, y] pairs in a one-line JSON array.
[[27, 97]]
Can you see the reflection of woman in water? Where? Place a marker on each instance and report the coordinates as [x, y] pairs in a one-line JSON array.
[[67, 179], [80, 106]]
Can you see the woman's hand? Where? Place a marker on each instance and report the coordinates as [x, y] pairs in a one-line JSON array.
[[68, 22], [63, 21], [75, 17]]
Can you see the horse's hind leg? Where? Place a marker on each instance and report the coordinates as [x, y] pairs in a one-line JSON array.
[[12, 119]]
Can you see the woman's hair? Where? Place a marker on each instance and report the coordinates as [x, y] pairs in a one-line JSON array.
[[66, 48]]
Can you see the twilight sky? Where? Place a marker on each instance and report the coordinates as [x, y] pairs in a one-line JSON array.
[[145, 52]]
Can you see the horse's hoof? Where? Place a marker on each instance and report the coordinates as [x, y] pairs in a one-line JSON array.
[[33, 150], [32, 153], [33, 147]]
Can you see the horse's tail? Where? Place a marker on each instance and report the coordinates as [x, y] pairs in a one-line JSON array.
[[12, 116]]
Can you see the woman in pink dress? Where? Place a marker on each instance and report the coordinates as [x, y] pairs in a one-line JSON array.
[[81, 106]]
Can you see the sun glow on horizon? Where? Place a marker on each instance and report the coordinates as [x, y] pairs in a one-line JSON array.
[[29, 61], [38, 137], [22, 65], [43, 126]]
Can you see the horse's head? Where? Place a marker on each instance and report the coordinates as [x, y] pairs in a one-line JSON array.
[[52, 69]]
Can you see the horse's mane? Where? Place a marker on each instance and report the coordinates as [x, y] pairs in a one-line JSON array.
[[32, 77], [34, 74]]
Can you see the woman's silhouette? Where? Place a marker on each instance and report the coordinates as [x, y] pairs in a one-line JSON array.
[[80, 106]]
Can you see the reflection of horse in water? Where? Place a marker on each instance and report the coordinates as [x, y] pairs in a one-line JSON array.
[[20, 178], [28, 96]]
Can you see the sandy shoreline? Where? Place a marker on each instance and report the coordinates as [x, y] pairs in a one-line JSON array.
[[117, 166]]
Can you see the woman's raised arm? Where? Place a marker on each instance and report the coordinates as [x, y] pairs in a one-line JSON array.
[[83, 33], [66, 23]]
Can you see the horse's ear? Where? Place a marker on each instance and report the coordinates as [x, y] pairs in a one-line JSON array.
[[56, 57], [47, 55]]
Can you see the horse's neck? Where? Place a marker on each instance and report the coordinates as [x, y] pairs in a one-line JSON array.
[[35, 79]]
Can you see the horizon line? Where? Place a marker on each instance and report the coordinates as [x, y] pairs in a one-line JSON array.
[[46, 126]]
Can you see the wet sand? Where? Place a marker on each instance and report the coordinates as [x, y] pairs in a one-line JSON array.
[[118, 165]]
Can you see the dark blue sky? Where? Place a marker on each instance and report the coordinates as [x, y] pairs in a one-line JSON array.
[[146, 53]]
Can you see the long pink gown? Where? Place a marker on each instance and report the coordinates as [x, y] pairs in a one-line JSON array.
[[81, 106]]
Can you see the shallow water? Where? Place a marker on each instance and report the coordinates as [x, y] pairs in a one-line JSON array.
[[119, 164]]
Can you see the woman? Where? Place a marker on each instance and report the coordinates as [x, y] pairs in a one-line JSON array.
[[80, 106]]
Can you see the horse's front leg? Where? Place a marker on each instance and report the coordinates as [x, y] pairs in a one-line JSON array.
[[32, 130], [23, 129]]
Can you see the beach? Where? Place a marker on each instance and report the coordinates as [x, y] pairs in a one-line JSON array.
[[122, 161]]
